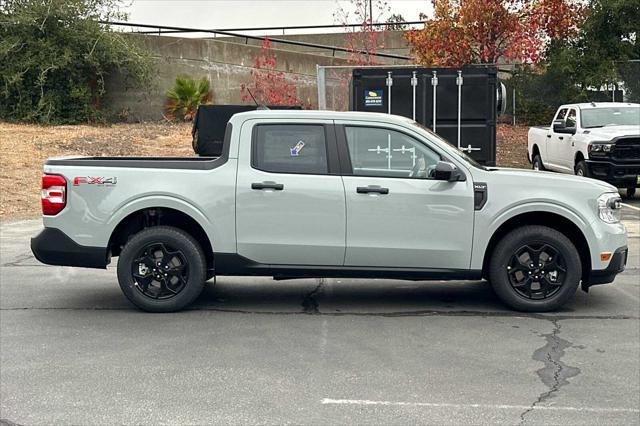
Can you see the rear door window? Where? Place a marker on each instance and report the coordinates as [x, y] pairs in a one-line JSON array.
[[290, 148]]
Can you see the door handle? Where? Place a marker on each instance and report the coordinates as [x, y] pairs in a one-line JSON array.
[[548, 136], [372, 188], [561, 137], [267, 185]]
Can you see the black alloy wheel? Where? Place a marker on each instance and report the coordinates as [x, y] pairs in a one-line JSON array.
[[537, 270], [160, 271]]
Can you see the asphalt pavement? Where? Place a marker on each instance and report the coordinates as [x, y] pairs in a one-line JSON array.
[[328, 351]]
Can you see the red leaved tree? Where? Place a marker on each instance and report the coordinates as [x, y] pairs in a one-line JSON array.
[[270, 86], [487, 31], [362, 43]]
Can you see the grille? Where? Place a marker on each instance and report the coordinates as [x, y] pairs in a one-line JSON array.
[[627, 149]]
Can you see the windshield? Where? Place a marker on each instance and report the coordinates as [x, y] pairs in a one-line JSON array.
[[610, 116], [448, 147]]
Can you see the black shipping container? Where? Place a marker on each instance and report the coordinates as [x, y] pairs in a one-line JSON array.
[[478, 106]]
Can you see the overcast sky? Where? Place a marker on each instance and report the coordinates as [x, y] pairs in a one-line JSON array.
[[252, 13]]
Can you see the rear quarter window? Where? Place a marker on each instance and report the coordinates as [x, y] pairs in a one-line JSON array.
[[290, 148]]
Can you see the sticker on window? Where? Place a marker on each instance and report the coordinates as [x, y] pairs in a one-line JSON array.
[[295, 151], [373, 98]]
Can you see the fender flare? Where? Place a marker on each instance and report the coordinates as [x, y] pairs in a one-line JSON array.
[[510, 212], [159, 201]]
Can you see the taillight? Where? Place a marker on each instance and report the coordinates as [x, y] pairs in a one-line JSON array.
[[54, 194]]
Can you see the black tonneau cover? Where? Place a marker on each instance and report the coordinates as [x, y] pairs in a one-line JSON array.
[[209, 126]]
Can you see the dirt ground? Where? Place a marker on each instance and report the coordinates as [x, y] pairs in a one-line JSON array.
[[511, 150], [24, 148]]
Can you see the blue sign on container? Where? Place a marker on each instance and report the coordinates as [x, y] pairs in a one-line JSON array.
[[373, 98]]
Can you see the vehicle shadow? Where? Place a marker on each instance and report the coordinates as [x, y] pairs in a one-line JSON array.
[[388, 298], [343, 297]]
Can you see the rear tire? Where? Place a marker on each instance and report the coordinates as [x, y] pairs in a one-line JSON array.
[[536, 164], [535, 269], [581, 169], [162, 269]]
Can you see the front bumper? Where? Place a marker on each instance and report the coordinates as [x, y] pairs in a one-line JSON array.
[[621, 175], [54, 247], [616, 265]]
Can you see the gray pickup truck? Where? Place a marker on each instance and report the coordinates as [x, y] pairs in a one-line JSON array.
[[300, 194]]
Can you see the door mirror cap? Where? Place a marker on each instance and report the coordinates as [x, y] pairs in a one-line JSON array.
[[559, 126], [448, 171]]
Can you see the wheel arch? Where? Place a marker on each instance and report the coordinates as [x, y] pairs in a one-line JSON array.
[[535, 150], [147, 217], [544, 218], [579, 156]]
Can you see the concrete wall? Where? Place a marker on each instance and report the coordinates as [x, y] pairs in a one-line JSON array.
[[393, 42], [227, 64]]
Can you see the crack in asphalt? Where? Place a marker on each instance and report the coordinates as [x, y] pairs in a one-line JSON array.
[[309, 303], [555, 373]]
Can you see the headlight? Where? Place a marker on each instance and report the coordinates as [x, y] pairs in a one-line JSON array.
[[598, 148], [609, 205]]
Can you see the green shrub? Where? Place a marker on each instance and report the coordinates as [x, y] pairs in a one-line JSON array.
[[540, 91], [54, 57], [185, 96]]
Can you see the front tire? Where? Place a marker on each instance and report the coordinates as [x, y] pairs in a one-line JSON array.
[[631, 191], [162, 269], [581, 169], [535, 269]]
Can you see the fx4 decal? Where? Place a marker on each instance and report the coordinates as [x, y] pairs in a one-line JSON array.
[[94, 180]]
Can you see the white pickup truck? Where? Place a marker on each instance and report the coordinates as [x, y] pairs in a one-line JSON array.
[[596, 140]]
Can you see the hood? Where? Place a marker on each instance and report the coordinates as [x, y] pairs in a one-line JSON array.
[[549, 179], [608, 133]]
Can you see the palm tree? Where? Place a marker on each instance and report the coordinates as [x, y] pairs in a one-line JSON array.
[[183, 99]]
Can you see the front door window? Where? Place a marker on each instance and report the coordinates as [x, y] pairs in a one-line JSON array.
[[388, 153]]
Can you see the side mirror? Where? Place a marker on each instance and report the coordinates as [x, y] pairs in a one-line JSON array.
[[559, 126], [447, 171]]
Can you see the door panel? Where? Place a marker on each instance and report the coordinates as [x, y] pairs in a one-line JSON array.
[[420, 223], [555, 143], [565, 147], [396, 215], [293, 217]]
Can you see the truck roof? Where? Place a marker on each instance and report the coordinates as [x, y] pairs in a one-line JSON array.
[[326, 115], [592, 105]]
